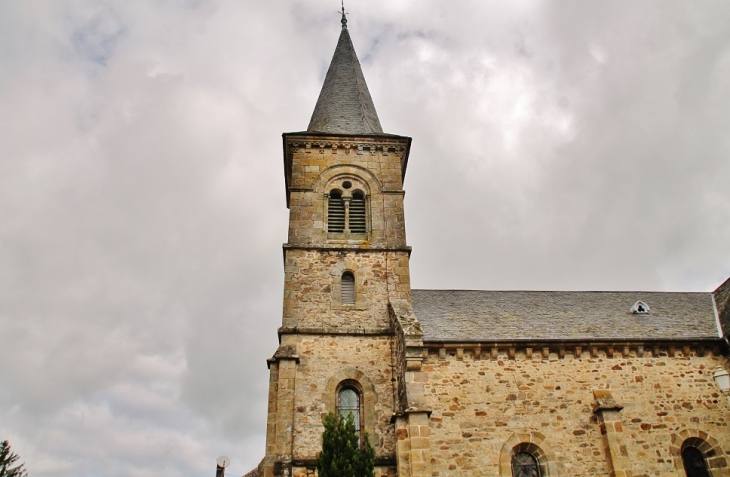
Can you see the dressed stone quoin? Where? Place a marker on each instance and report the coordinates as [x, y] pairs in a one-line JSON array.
[[462, 382]]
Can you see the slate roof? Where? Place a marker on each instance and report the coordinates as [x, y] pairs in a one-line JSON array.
[[344, 105], [493, 316]]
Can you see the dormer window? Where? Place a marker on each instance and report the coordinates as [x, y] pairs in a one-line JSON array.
[[640, 308]]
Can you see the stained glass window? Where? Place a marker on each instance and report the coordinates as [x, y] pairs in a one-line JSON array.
[[524, 464]]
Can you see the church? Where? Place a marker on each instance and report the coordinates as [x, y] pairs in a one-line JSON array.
[[464, 382]]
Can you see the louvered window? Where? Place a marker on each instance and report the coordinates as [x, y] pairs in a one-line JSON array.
[[348, 288], [357, 214], [336, 213]]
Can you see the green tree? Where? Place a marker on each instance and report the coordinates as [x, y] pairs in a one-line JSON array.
[[7, 459], [342, 455]]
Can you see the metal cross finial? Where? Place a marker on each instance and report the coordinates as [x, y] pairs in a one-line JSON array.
[[344, 18]]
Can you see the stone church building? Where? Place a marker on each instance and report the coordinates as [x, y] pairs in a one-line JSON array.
[[470, 383]]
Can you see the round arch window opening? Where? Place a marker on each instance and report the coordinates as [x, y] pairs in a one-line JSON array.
[[524, 464]]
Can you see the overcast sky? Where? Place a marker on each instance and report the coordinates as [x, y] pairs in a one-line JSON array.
[[556, 145]]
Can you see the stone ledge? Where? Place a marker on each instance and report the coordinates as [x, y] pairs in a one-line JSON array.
[[333, 332], [283, 353], [521, 350], [347, 247]]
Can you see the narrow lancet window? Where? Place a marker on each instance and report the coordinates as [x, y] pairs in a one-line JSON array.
[[348, 404], [348, 288]]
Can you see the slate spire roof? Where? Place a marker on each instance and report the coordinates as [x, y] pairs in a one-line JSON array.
[[344, 105]]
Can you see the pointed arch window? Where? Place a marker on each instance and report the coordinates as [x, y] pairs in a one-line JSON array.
[[694, 462], [348, 288]]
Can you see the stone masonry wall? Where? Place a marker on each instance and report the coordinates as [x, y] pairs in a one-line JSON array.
[[326, 361], [333, 342], [319, 164], [312, 288], [480, 405]]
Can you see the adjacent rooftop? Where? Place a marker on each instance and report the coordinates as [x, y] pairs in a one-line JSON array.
[[470, 316]]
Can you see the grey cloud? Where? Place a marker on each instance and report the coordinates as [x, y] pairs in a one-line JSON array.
[[555, 146]]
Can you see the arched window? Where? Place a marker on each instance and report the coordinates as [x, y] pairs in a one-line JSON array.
[[335, 212], [524, 464], [357, 213], [348, 288], [694, 462], [527, 459], [348, 404], [347, 211]]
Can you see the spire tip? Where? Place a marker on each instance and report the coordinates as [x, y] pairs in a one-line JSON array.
[[344, 18]]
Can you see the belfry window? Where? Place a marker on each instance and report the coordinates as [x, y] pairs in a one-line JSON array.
[[347, 211], [336, 212], [357, 213], [348, 404], [694, 462], [348, 288]]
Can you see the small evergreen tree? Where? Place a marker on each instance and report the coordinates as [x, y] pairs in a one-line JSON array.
[[341, 454], [7, 459]]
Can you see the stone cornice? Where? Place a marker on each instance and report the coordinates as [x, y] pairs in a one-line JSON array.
[[357, 146], [578, 349], [385, 144], [569, 343], [336, 247], [334, 332], [309, 189]]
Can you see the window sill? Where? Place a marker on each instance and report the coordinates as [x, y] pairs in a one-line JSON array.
[[346, 238], [353, 306]]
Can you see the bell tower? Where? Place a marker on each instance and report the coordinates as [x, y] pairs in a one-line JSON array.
[[345, 261]]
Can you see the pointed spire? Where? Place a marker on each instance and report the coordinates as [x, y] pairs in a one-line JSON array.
[[344, 105]]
